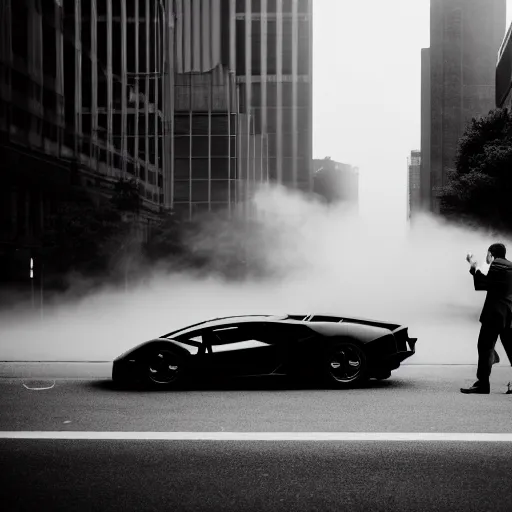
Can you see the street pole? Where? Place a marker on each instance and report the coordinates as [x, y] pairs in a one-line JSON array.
[[32, 282], [42, 291], [126, 274]]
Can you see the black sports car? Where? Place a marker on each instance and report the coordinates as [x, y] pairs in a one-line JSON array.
[[338, 350]]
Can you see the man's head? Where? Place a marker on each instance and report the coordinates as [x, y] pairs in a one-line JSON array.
[[495, 251]]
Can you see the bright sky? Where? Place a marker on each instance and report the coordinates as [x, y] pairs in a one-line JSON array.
[[366, 110]]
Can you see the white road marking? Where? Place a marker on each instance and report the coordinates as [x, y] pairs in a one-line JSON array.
[[262, 436], [39, 389]]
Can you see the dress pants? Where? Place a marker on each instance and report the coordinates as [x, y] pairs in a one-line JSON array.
[[486, 342]]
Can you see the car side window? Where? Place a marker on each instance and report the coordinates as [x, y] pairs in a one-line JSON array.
[[231, 338], [193, 345]]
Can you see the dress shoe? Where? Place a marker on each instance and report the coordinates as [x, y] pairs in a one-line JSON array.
[[476, 390]]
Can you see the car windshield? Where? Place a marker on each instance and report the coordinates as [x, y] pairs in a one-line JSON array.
[[221, 321]]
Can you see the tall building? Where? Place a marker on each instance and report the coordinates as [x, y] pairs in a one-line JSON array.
[[464, 39], [425, 189], [242, 102], [115, 84], [413, 183], [336, 182], [503, 95], [217, 154], [80, 105], [270, 50]]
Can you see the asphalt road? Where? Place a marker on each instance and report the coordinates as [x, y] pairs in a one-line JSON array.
[[235, 475], [242, 476], [415, 399]]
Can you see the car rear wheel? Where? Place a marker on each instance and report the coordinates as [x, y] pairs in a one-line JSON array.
[[346, 365], [164, 368]]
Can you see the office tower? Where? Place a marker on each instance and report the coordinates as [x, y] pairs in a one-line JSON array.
[[425, 192], [81, 105], [271, 54], [503, 96], [218, 156], [413, 183], [336, 182], [464, 39]]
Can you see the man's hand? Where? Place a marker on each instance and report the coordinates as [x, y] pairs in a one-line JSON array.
[[470, 259]]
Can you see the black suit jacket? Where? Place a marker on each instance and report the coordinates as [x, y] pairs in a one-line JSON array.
[[497, 310]]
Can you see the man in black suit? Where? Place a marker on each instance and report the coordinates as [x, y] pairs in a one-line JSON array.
[[496, 317]]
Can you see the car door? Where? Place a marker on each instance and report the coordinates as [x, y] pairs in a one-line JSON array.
[[241, 349]]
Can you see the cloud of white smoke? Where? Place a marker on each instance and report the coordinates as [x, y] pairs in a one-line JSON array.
[[324, 260]]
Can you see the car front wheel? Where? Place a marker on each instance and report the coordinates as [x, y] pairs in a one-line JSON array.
[[346, 365], [164, 369]]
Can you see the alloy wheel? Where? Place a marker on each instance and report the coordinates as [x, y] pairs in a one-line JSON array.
[[164, 367], [346, 364]]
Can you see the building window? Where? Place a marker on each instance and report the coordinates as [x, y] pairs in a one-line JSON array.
[[199, 168], [200, 124], [118, 161], [181, 190], [182, 125], [49, 51], [219, 124], [220, 190], [49, 100], [19, 17], [220, 145], [181, 168], [220, 168], [200, 190], [20, 84], [200, 146]]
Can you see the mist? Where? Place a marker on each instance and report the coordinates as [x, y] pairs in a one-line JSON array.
[[317, 259]]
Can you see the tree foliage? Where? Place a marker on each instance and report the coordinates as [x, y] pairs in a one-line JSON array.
[[479, 188]]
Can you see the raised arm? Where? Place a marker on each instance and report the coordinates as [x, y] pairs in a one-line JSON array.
[[493, 281], [479, 279]]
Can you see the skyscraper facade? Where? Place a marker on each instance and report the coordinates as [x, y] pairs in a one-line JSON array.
[[504, 72], [425, 192], [336, 182], [217, 153], [270, 51], [242, 101], [80, 106], [465, 36], [413, 183]]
